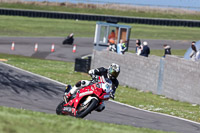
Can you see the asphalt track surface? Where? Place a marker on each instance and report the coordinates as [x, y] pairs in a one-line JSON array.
[[21, 89], [84, 46]]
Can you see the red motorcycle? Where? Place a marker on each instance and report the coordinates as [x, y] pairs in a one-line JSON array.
[[87, 99]]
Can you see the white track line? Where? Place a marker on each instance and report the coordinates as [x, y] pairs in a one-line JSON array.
[[109, 100]]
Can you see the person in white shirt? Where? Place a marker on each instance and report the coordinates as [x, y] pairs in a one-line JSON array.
[[121, 47], [194, 52]]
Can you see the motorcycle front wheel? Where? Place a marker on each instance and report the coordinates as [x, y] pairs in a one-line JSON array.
[[92, 105], [59, 108]]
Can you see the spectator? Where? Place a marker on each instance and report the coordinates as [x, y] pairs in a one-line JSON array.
[[112, 47], [138, 43], [69, 39], [145, 50], [194, 51], [139, 49], [121, 47], [111, 35], [112, 41], [167, 49], [124, 47], [198, 55]]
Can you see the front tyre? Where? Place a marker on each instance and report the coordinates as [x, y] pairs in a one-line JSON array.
[[59, 108], [89, 109]]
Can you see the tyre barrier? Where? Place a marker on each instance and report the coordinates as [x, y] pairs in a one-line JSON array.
[[94, 17], [82, 65]]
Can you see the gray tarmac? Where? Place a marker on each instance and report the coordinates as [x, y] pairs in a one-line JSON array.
[[84, 46], [20, 89], [24, 90]]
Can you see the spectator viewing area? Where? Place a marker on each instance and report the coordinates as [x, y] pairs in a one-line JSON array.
[[109, 33], [189, 51]]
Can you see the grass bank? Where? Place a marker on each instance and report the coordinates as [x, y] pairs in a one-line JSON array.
[[177, 52], [23, 121], [106, 9], [63, 72], [24, 26]]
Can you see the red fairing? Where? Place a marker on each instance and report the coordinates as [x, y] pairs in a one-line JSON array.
[[95, 90]]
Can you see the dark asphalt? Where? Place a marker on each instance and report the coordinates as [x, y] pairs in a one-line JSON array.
[[23, 90], [25, 46]]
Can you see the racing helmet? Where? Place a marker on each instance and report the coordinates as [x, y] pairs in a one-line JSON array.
[[113, 71]]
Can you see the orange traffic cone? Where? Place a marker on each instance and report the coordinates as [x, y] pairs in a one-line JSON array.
[[13, 46], [74, 48], [52, 48], [36, 47]]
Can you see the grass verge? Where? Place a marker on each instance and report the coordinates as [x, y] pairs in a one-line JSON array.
[[107, 9], [64, 72], [23, 121], [24, 26]]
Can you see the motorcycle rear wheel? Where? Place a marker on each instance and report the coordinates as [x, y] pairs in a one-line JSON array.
[[88, 110]]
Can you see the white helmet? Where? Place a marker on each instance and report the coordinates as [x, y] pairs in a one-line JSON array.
[[113, 71]]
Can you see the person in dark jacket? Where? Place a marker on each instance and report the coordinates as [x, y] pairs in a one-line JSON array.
[[167, 49], [145, 50], [69, 39], [138, 43]]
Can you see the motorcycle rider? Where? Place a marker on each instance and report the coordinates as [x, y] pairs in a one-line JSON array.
[[111, 73]]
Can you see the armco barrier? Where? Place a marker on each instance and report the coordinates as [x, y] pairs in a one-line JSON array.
[[93, 17], [172, 76]]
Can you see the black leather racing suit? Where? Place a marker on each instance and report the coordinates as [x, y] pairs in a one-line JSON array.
[[104, 72], [94, 73]]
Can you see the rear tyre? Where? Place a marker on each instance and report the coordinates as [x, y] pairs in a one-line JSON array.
[[59, 108], [89, 109]]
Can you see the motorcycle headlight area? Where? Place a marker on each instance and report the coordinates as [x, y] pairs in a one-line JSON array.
[[106, 87]]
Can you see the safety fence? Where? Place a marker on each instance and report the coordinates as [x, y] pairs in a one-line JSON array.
[[94, 17]]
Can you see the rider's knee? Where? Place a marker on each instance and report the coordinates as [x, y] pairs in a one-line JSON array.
[[78, 84]]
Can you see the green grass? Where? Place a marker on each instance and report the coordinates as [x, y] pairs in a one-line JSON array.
[[131, 12], [157, 52], [24, 26], [58, 70], [64, 72], [23, 121]]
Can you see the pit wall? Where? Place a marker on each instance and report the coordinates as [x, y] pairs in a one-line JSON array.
[[172, 76]]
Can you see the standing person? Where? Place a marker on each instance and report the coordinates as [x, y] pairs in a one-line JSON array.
[[198, 55], [138, 43], [124, 47], [139, 49], [167, 49], [121, 47], [111, 35], [194, 51], [145, 50], [112, 47]]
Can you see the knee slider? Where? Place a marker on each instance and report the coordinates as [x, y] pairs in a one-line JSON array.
[[78, 84]]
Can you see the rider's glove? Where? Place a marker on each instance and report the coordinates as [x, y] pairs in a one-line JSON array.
[[91, 72]]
